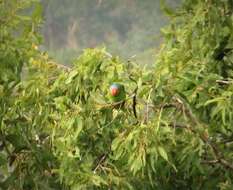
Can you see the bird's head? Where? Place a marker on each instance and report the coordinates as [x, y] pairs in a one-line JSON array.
[[114, 89]]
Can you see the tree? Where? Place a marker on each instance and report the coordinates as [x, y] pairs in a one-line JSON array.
[[59, 129], [24, 159]]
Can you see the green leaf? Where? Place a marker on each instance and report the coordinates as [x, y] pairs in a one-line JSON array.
[[72, 75], [162, 153]]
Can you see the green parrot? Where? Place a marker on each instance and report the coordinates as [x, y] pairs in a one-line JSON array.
[[117, 94]]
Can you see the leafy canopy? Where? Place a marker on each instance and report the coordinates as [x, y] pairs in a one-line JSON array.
[[60, 130]]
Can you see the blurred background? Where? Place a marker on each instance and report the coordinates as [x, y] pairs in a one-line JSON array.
[[125, 27]]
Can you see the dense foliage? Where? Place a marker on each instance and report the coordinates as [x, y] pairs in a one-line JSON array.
[[59, 128]]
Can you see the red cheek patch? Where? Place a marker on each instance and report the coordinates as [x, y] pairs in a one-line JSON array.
[[114, 91]]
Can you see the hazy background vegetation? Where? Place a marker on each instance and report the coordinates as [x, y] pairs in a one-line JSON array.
[[125, 27]]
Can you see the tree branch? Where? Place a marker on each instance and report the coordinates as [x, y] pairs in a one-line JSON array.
[[217, 153], [224, 81], [60, 66], [101, 160]]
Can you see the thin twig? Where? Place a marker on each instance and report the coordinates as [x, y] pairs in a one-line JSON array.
[[226, 141], [64, 67], [210, 161], [102, 159], [176, 125], [115, 103], [224, 81], [135, 102]]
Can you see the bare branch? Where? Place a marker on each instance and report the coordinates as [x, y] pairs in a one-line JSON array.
[[60, 66], [224, 81], [101, 160], [210, 161]]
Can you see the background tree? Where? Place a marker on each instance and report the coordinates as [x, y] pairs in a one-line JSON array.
[[124, 27]]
